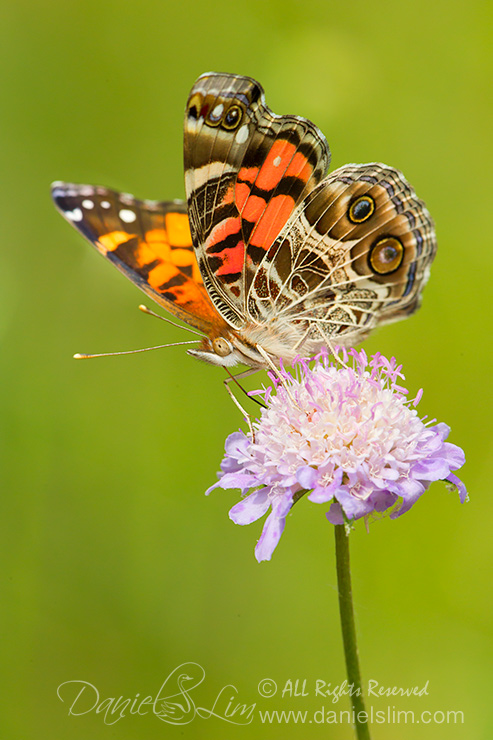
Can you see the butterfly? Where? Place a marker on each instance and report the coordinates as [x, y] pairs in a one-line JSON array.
[[269, 257]]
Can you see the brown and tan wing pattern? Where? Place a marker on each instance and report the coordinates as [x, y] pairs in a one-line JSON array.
[[355, 254], [246, 171], [148, 241]]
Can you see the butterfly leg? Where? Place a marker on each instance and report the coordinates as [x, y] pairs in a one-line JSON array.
[[276, 372], [333, 348], [244, 413], [234, 379]]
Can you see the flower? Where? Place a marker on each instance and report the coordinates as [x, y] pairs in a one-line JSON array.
[[346, 434]]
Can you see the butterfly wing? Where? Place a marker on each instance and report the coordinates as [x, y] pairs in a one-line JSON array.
[[246, 171], [354, 255], [148, 241], [281, 259]]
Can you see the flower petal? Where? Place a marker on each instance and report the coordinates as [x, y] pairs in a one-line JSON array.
[[322, 494], [454, 455], [237, 453], [237, 480], [354, 508], [442, 429], [334, 514], [237, 445], [432, 469], [251, 508], [383, 500], [409, 498], [408, 488], [460, 487], [307, 477], [271, 534]]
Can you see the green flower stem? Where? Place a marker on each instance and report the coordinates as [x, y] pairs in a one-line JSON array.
[[349, 632]]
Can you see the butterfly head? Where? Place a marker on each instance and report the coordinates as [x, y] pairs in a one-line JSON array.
[[216, 352], [227, 351]]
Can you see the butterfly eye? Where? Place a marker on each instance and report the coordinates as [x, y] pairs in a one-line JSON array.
[[232, 118], [222, 347], [361, 209], [386, 255]]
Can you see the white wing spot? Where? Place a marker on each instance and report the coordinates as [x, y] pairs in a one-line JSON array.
[[195, 178], [105, 204], [127, 216], [277, 162], [88, 204], [218, 111], [75, 215], [242, 134]]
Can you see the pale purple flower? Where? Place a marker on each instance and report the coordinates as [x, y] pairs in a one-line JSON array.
[[347, 434]]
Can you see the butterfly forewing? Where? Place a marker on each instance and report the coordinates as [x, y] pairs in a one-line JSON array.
[[148, 241], [246, 171]]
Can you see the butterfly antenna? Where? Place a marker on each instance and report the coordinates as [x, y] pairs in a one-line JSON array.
[[80, 356], [144, 309]]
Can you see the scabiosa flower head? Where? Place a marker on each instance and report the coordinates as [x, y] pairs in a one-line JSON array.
[[346, 434]]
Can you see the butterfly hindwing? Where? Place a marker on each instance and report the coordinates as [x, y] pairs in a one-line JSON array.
[[355, 253], [148, 241], [246, 170]]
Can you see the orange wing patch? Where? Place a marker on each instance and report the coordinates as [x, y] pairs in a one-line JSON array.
[[274, 217], [262, 210], [150, 242], [165, 262], [112, 241], [178, 229]]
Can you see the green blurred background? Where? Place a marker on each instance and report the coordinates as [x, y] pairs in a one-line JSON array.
[[115, 567]]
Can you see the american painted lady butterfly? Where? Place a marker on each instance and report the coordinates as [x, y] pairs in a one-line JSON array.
[[269, 257]]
